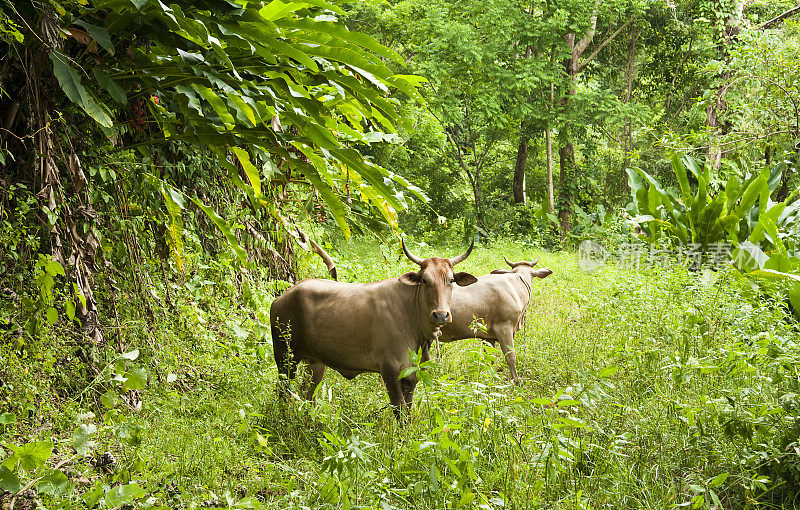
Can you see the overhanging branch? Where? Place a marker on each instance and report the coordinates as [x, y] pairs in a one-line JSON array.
[[777, 19], [603, 45]]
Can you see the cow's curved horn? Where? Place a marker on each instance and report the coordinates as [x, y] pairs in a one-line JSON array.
[[413, 258], [535, 262], [463, 256], [510, 264]]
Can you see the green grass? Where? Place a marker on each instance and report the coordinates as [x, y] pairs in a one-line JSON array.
[[642, 389]]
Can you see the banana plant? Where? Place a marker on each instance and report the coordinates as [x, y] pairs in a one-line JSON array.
[[765, 235]]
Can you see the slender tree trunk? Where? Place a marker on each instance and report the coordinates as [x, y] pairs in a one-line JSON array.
[[522, 150], [566, 152], [617, 181], [476, 192], [548, 135], [566, 159], [519, 165], [717, 103]]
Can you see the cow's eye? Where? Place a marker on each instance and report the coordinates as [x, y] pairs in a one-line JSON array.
[[425, 281], [452, 280]]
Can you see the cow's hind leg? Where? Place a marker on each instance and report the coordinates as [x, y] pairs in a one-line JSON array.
[[317, 373], [395, 391], [506, 339]]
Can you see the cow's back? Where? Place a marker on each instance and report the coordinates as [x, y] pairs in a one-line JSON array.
[[351, 327], [496, 299]]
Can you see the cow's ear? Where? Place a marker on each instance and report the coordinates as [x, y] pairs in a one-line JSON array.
[[411, 278], [464, 279], [501, 271], [542, 273]]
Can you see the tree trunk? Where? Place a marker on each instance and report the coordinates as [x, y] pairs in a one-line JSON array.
[[717, 103], [566, 159], [519, 165], [566, 153], [549, 143], [617, 181], [476, 193]]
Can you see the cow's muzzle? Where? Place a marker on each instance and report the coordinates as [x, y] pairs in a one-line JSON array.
[[440, 318]]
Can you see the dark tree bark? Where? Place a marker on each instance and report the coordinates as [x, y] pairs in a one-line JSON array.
[[519, 165], [572, 66], [566, 159], [717, 104]]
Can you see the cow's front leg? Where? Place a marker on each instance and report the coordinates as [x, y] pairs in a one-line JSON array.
[[408, 384], [506, 339], [395, 391]]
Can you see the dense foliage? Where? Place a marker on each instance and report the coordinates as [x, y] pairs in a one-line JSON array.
[[168, 169]]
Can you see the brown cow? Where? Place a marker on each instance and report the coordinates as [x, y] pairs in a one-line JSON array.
[[499, 299], [365, 327]]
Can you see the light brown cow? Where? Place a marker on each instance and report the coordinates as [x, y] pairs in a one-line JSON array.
[[365, 327], [499, 300]]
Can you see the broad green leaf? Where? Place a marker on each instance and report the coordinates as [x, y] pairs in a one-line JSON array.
[[763, 196], [69, 309], [608, 371], [772, 230], [794, 298], [30, 455], [778, 262], [718, 480], [82, 438], [290, 51], [243, 110], [53, 268], [109, 399], [408, 371], [68, 79], [249, 502], [251, 171], [124, 495], [8, 418], [8, 480], [217, 104], [52, 315], [775, 275], [97, 111], [112, 87], [70, 82], [680, 172], [54, 483], [350, 36], [131, 355], [277, 9], [224, 228], [751, 194], [732, 191], [99, 34], [135, 379]]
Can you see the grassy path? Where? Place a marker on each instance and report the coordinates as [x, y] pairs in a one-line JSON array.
[[640, 390]]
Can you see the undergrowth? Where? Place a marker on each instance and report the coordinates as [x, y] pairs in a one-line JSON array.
[[658, 388]]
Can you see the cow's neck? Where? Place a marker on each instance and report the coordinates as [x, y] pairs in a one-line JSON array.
[[426, 330], [527, 280]]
